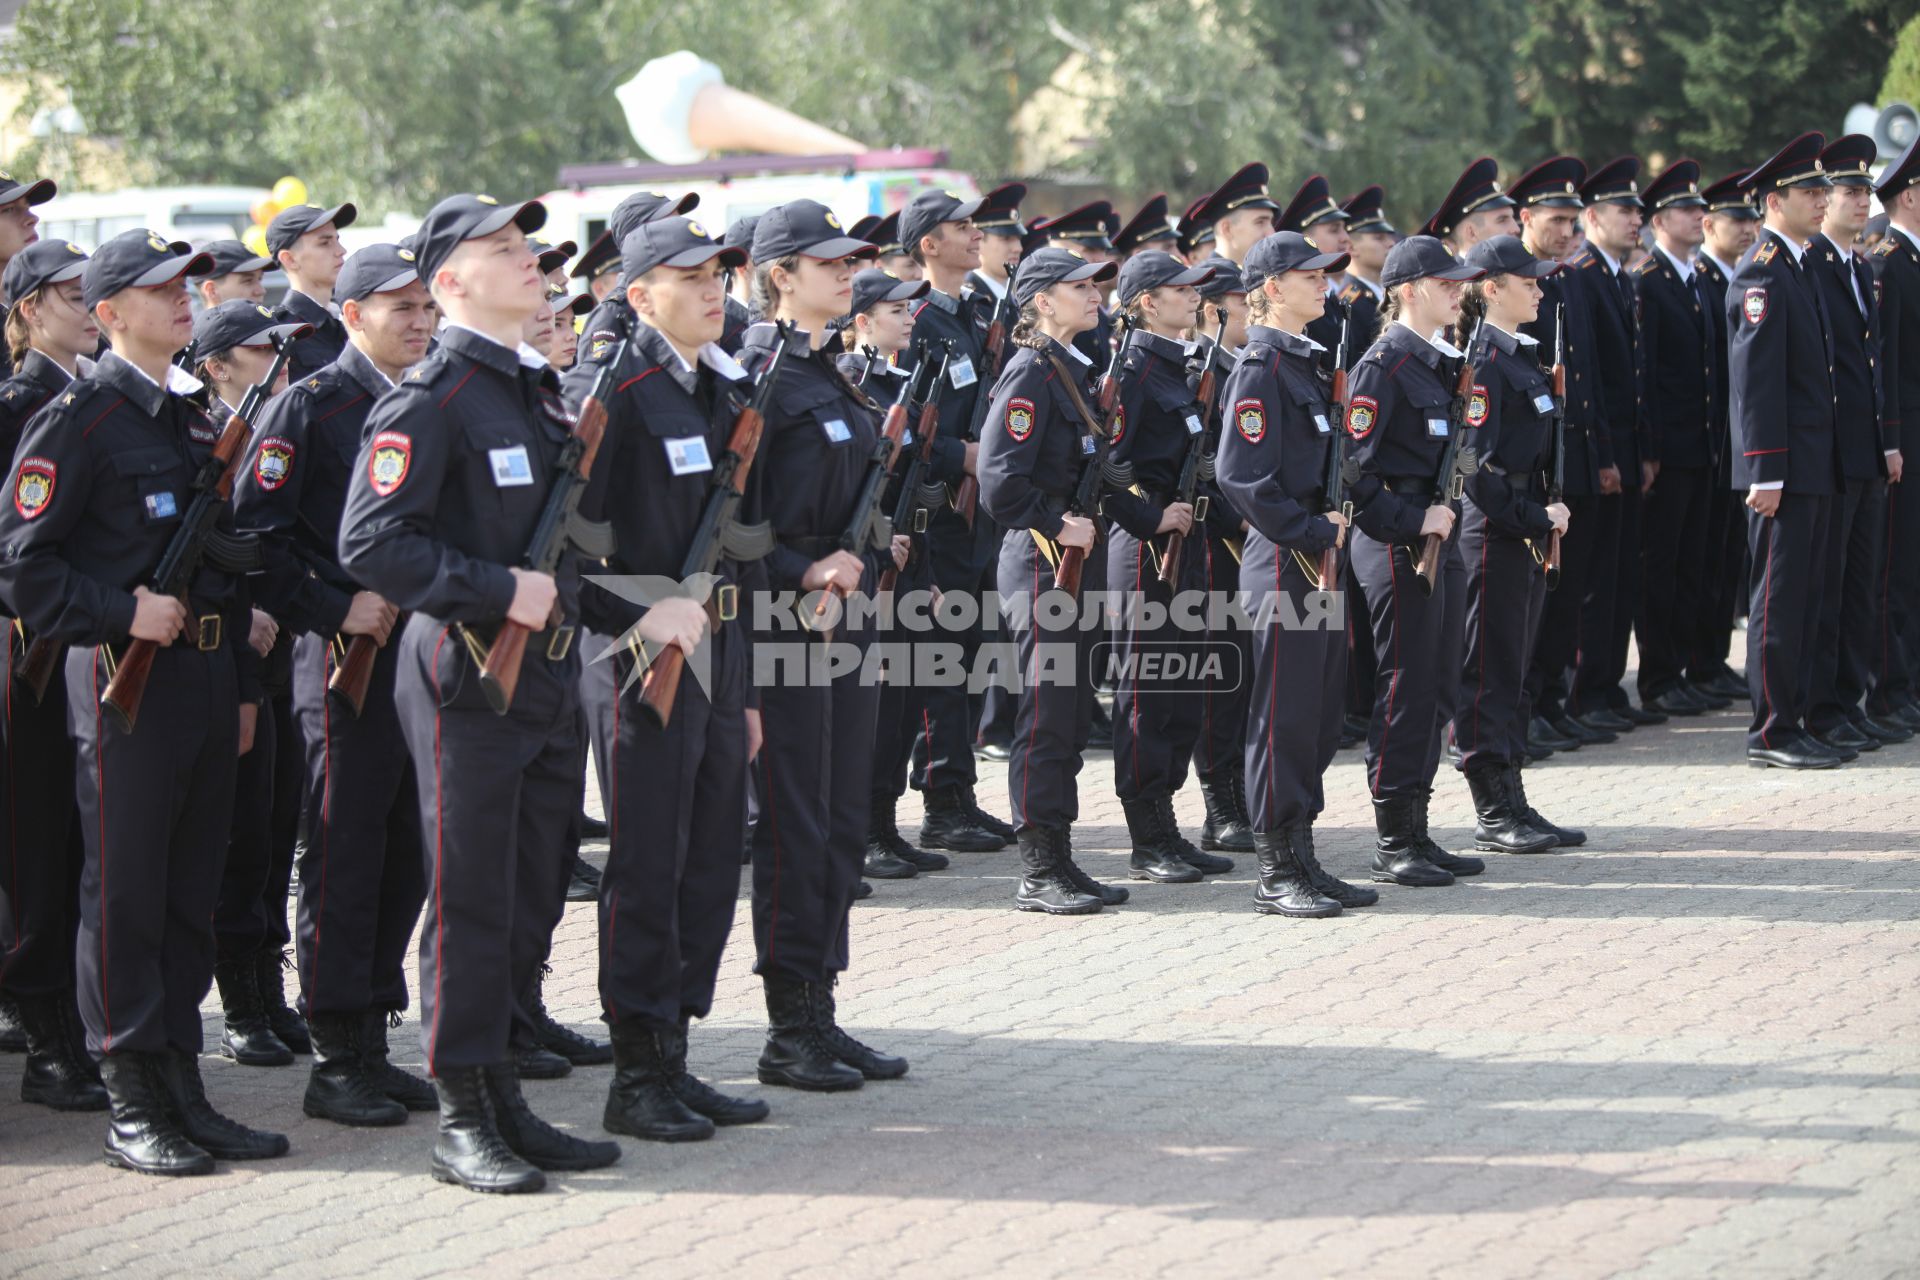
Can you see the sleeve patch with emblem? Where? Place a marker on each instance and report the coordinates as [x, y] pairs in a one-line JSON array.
[[1477, 406], [1119, 423], [1019, 417], [1753, 305], [34, 487], [1361, 415], [1250, 419], [387, 463], [274, 463]]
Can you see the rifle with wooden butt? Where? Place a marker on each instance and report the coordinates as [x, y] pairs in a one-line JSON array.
[[1456, 463], [1097, 472], [917, 497], [1557, 479], [966, 494], [1199, 459], [1339, 470]]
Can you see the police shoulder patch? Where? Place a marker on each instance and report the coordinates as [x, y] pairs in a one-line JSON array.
[[388, 460], [33, 485], [1753, 305], [1119, 423], [1019, 417], [1477, 405], [1361, 415], [274, 463], [1250, 419]]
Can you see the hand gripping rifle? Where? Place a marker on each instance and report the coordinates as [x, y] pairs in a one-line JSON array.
[[1457, 462], [1200, 452], [1097, 472], [917, 497], [1557, 479], [1334, 488], [966, 494]]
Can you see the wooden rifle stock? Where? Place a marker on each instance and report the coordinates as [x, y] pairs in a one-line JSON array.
[[353, 673], [1428, 570], [1330, 558], [1552, 562], [1205, 394], [1066, 574], [36, 667]]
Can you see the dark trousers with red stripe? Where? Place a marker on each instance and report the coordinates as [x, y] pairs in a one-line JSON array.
[[1224, 700], [1783, 617], [903, 718], [269, 795], [960, 561], [1896, 644], [1613, 597], [362, 877], [1416, 641], [1848, 603], [1156, 721], [1678, 552], [1055, 709], [1505, 594], [40, 848], [1558, 643], [816, 786], [155, 808], [678, 813], [1360, 658], [499, 796], [1725, 596], [1297, 692]]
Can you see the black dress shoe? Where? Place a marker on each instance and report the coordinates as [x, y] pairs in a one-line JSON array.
[[583, 882], [1725, 684], [1606, 721], [1676, 701], [1568, 727], [1356, 726], [993, 750], [1543, 735], [1641, 715], [1705, 697], [1795, 755], [591, 828], [1907, 714], [1818, 745], [882, 865], [1843, 737], [1881, 730], [862, 890]]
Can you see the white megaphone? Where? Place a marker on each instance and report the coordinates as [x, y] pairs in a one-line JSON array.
[[680, 109]]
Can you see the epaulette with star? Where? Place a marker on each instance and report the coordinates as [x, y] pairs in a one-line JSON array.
[[1767, 252]]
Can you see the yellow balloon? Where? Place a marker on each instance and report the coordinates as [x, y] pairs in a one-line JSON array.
[[255, 238], [289, 191]]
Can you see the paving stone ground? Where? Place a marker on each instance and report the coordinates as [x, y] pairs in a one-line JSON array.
[[1690, 1049]]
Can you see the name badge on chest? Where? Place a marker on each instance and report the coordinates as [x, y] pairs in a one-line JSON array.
[[1087, 446], [1320, 424], [960, 372], [838, 432], [161, 506], [1543, 403], [510, 467], [688, 455], [1437, 427], [1195, 426]]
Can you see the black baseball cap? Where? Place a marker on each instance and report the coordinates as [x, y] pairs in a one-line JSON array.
[[1285, 251], [874, 286], [230, 256], [139, 259], [32, 191], [578, 304], [378, 268], [1421, 258], [674, 242], [239, 323], [40, 264], [458, 219], [289, 225], [805, 227], [553, 256], [638, 208], [1158, 269], [928, 210], [1506, 256], [1046, 267], [1226, 279], [740, 232]]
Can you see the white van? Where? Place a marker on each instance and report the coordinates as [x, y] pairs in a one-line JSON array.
[[196, 214]]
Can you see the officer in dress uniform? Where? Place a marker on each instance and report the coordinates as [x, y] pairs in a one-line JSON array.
[[450, 480], [305, 242], [1856, 531], [1147, 229], [1683, 357], [1314, 214], [104, 474], [1273, 464], [1896, 660], [50, 338], [1786, 448], [237, 274], [362, 878], [1194, 240], [1475, 209], [19, 226], [678, 804]]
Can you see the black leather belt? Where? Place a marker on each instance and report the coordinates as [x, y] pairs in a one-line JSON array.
[[819, 548], [1410, 486]]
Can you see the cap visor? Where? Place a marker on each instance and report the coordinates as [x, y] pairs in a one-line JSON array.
[[252, 264], [1191, 276], [729, 255], [36, 193], [68, 271], [529, 216], [1460, 273], [1539, 269], [1325, 262], [399, 281], [843, 247], [197, 264], [1101, 271], [591, 261], [278, 333], [967, 209], [908, 290]]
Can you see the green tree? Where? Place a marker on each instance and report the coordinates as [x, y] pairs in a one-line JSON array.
[[1902, 82]]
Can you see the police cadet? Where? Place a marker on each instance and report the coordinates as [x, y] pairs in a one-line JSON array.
[[598, 268], [1314, 214], [1399, 419], [937, 229], [1238, 213], [1273, 465], [1786, 448], [883, 233], [1729, 229], [998, 221], [104, 474], [1156, 720], [304, 242], [50, 338], [610, 318], [1475, 210], [450, 480], [18, 225], [1628, 463], [1683, 356], [233, 348], [1896, 663], [237, 274], [1037, 437], [1088, 231], [1857, 525], [362, 878], [1147, 229], [816, 766], [1505, 524], [678, 802]]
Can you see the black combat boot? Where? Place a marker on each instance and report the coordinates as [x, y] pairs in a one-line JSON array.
[[57, 1073], [1046, 885], [796, 1055], [703, 1098], [886, 856], [248, 1037], [1300, 840], [986, 821], [1396, 857], [341, 1088], [950, 824], [1153, 858], [1111, 895], [286, 1022], [469, 1151], [1227, 826], [533, 1139], [1458, 864], [868, 1061], [219, 1137], [583, 881], [641, 1102], [1565, 837], [1284, 888], [12, 1038], [143, 1134], [554, 1038], [405, 1088], [1209, 864], [1497, 827]]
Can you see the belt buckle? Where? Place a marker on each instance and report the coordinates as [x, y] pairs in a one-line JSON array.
[[727, 601], [559, 644], [1200, 507], [210, 630]]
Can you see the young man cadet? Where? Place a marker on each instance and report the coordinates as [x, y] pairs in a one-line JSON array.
[[305, 242], [1896, 660], [236, 276], [19, 227]]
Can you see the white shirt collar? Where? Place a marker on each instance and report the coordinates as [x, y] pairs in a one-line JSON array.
[[1911, 238], [1726, 268], [1521, 338], [1684, 268], [179, 381], [1613, 263], [1794, 247], [1075, 352], [998, 289]]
